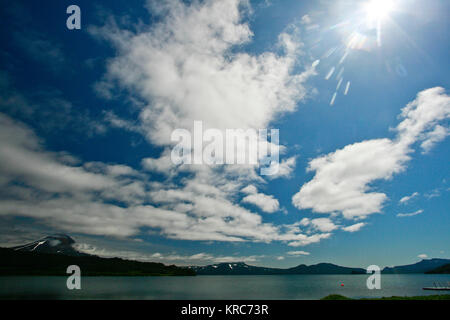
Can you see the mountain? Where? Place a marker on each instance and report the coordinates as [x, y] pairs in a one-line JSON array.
[[235, 268], [325, 268], [445, 269], [420, 267], [56, 244], [52, 255], [241, 268]]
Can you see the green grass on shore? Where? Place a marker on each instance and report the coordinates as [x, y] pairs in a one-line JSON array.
[[430, 297]]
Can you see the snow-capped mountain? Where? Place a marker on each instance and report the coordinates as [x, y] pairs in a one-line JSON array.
[[57, 243]]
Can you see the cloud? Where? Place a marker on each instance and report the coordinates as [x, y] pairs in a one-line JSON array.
[[266, 203], [285, 168], [411, 214], [95, 198], [307, 240], [185, 67], [422, 256], [431, 138], [405, 199], [250, 189], [354, 227], [39, 47], [280, 258], [306, 19], [324, 224], [47, 109], [433, 193], [298, 253], [342, 178], [168, 258]]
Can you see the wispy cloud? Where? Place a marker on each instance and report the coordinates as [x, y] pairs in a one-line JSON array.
[[406, 199], [354, 227], [411, 214], [181, 259], [298, 253]]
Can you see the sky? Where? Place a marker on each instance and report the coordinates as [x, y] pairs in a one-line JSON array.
[[357, 90]]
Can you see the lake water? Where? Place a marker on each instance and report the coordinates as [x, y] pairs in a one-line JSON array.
[[218, 287]]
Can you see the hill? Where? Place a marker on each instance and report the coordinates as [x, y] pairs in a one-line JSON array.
[[445, 269], [420, 267], [241, 268], [34, 263]]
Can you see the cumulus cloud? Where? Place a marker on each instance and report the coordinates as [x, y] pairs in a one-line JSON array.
[[266, 203], [405, 199], [306, 240], [285, 168], [323, 224], [342, 178], [422, 256]]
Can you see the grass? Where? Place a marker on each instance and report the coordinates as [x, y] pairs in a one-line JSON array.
[[430, 297]]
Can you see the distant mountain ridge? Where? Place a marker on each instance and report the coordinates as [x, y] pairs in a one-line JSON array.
[[37, 257], [241, 268], [420, 267]]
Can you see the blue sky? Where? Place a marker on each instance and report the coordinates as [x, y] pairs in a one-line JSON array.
[[87, 115]]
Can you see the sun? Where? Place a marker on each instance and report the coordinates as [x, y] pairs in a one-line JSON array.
[[378, 9]]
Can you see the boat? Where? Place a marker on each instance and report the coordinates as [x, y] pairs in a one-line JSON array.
[[438, 287]]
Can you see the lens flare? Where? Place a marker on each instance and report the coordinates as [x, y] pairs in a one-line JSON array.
[[378, 9]]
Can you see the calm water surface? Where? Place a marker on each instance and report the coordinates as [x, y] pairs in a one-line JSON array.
[[217, 287]]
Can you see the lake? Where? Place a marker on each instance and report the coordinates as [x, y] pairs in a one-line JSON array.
[[218, 287]]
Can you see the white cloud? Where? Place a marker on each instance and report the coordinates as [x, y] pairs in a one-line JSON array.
[[422, 256], [306, 19], [112, 200], [405, 199], [280, 258], [285, 168], [298, 253], [354, 227], [431, 138], [306, 240], [181, 69], [324, 224], [411, 214], [250, 189], [169, 258], [305, 222], [342, 180], [163, 164], [266, 203]]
